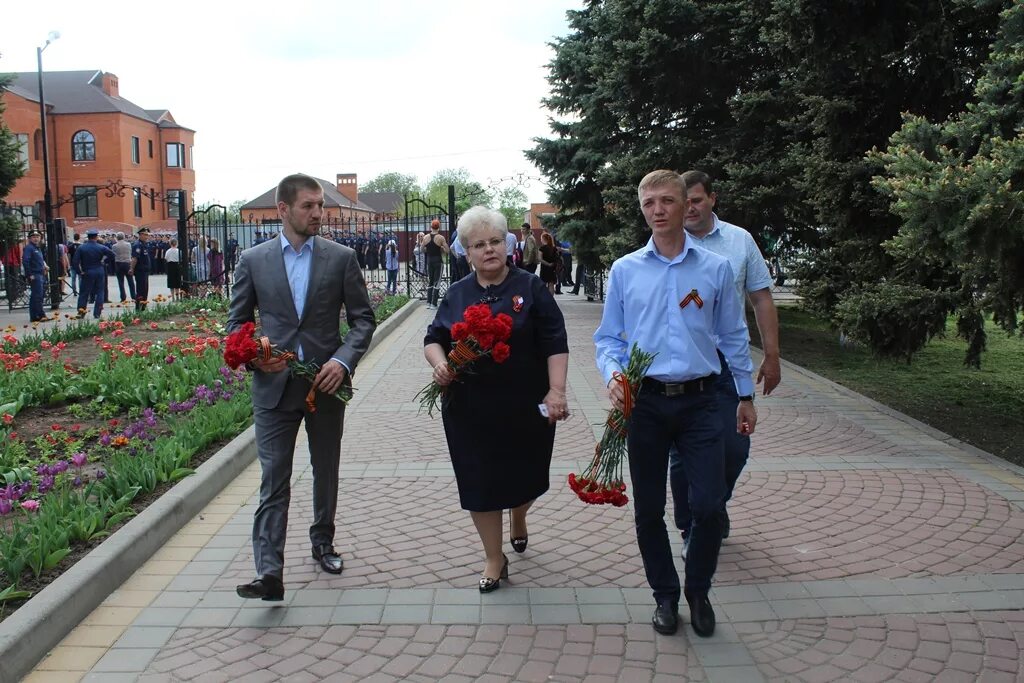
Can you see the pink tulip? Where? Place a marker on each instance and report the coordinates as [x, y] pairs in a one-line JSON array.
[[30, 505]]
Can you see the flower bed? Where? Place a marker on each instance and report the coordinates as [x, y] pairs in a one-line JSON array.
[[97, 419]]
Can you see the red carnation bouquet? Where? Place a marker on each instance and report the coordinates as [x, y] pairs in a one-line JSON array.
[[243, 346], [478, 335], [602, 481]]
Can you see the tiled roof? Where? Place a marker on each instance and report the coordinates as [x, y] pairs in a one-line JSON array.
[[331, 198], [79, 92], [382, 202]]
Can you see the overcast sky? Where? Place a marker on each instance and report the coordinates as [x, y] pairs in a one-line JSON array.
[[315, 86]]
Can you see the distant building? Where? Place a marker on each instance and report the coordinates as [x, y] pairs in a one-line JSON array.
[[387, 205], [538, 215], [341, 202], [100, 144]]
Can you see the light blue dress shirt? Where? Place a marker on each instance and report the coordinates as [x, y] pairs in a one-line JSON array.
[[297, 266], [457, 247], [737, 245], [642, 307]]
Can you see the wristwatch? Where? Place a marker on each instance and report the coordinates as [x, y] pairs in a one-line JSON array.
[[748, 397]]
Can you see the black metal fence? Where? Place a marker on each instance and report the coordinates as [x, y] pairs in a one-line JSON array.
[[13, 285], [210, 247]]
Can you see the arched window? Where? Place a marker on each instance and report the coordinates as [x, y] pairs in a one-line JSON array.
[[83, 146]]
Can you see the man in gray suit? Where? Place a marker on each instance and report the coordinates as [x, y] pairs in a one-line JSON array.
[[299, 282]]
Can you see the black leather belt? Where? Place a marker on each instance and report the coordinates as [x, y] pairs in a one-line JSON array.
[[691, 386]]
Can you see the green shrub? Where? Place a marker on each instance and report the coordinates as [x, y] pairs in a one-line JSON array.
[[893, 320]]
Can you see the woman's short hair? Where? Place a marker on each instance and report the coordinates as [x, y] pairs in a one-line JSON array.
[[659, 178], [479, 218]]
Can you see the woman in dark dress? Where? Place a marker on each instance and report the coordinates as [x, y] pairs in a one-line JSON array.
[[483, 408], [548, 260]]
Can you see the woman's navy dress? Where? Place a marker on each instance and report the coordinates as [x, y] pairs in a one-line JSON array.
[[499, 443]]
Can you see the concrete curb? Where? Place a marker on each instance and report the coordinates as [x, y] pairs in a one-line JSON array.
[[28, 634]]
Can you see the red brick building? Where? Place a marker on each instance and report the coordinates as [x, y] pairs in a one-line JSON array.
[[113, 164], [538, 213]]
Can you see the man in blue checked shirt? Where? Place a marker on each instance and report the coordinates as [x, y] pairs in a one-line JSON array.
[[677, 300]]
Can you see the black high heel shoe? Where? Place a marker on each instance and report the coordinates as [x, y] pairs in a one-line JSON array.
[[518, 544], [487, 584]]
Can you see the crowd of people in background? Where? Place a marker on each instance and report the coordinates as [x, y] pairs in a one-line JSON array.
[[204, 266]]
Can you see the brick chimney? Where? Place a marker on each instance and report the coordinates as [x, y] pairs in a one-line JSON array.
[[110, 84], [348, 186]]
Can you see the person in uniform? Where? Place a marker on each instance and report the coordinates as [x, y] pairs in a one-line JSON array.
[[35, 271], [89, 262], [141, 267]]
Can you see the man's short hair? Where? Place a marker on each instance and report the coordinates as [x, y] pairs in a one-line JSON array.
[[658, 178], [288, 188], [694, 178], [524, 226]]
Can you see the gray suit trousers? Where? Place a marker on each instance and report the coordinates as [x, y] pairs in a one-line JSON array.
[[276, 431]]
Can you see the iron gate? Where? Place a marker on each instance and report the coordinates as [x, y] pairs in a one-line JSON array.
[[13, 285], [208, 252], [418, 218]]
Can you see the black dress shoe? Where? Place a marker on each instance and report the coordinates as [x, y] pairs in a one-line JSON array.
[[329, 560], [266, 587], [518, 543], [702, 615], [487, 584], [665, 619]]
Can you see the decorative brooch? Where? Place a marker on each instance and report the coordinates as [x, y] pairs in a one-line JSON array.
[[517, 303]]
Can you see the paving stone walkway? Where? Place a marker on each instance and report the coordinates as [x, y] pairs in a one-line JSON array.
[[865, 547]]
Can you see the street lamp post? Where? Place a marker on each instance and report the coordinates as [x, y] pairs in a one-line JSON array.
[[53, 235]]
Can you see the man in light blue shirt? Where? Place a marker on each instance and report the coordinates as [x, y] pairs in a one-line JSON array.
[[679, 301], [752, 280]]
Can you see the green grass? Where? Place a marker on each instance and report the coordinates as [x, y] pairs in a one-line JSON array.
[[982, 407]]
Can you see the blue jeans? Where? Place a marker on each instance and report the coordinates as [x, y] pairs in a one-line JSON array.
[[392, 287], [737, 450], [690, 424]]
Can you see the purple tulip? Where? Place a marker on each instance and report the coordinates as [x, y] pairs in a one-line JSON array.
[[5, 506], [79, 459], [101, 475], [105, 439], [46, 483]]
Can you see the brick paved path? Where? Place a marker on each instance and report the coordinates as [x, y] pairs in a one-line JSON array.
[[864, 547]]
